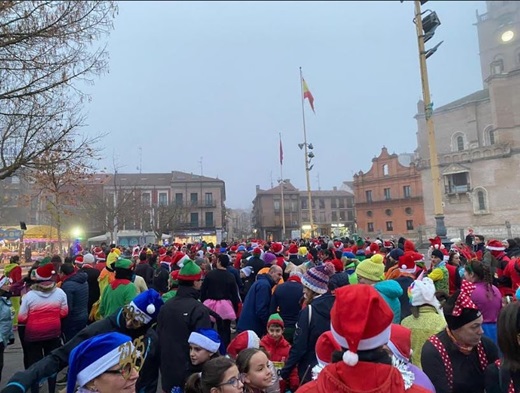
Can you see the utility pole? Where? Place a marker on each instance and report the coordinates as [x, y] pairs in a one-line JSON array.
[[425, 30]]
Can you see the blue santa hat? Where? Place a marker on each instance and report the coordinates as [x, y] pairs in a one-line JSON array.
[[93, 357], [148, 303], [207, 339]]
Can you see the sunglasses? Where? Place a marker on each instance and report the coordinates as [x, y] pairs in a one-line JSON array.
[[125, 371]]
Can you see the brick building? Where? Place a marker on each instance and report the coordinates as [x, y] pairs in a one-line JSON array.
[[389, 200], [478, 137]]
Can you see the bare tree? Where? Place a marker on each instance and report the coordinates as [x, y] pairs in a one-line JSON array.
[[48, 49]]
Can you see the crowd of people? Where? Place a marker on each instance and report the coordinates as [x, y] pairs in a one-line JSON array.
[[256, 316]]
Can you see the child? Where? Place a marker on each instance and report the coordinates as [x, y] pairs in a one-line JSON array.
[[6, 320], [254, 364], [204, 345], [278, 348]]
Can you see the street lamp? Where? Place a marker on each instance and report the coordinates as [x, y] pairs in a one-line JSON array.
[[425, 30], [308, 167]]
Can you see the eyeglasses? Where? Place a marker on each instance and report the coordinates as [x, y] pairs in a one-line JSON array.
[[125, 371], [235, 381]]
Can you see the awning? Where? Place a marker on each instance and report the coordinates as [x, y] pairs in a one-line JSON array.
[[454, 169], [42, 233], [100, 238]]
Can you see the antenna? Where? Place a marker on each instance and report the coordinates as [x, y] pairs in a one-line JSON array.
[[140, 167], [272, 179], [201, 167], [318, 177]]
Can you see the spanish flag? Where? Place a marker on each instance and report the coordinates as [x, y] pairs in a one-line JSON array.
[[307, 94]]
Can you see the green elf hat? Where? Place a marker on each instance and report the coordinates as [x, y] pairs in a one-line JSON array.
[[123, 263], [45, 261], [275, 319], [360, 242], [190, 271]]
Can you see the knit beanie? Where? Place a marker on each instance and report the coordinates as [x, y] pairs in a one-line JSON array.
[[275, 319], [246, 339], [372, 269], [123, 264], [438, 254], [269, 258], [302, 251], [317, 278], [207, 339], [190, 271]]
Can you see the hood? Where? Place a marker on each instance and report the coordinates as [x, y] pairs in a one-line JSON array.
[[266, 277], [44, 288], [340, 378], [389, 288], [79, 277], [9, 268], [323, 304], [269, 342]]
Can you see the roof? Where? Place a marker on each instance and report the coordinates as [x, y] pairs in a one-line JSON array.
[[328, 193], [480, 95], [156, 179], [277, 190], [190, 177]]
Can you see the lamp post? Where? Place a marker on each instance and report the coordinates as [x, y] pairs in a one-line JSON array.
[[424, 33], [308, 157]]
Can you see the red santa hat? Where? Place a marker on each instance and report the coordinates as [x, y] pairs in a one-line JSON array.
[[409, 245], [365, 324], [400, 342], [407, 263], [374, 248], [325, 347], [78, 259], [44, 273], [495, 245], [162, 251], [246, 339], [97, 250], [277, 248], [293, 249], [101, 256], [435, 242]]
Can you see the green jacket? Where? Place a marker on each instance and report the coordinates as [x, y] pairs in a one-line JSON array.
[[115, 296], [430, 322]]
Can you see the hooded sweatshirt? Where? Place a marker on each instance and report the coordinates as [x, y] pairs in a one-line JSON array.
[[42, 310], [390, 290]]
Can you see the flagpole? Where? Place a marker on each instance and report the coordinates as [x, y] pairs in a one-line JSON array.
[[282, 182], [309, 194]]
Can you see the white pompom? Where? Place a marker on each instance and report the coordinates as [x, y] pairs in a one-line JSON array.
[[350, 358], [403, 266], [53, 272], [150, 309]]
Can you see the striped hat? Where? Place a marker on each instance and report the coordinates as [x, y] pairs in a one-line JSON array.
[[317, 278]]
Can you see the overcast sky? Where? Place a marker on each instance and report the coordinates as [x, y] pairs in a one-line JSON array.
[[220, 80]]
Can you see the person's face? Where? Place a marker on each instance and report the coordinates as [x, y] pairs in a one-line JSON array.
[[232, 257], [276, 275], [469, 276], [435, 261], [198, 355], [115, 382], [231, 382], [471, 333], [275, 332], [456, 259], [477, 240], [197, 284], [259, 375], [307, 293]]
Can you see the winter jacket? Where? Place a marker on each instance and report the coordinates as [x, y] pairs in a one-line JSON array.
[[430, 322], [363, 377], [454, 278], [144, 270], [513, 252], [256, 263], [390, 290], [42, 310], [314, 320], [238, 280], [278, 354], [160, 279], [404, 282], [76, 289], [50, 365], [93, 285], [286, 301], [512, 271], [338, 280], [178, 318], [117, 294], [219, 284], [6, 321], [255, 311]]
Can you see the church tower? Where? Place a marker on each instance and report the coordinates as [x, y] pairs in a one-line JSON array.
[[499, 38]]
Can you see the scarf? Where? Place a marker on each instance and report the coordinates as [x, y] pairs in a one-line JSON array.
[[466, 350]]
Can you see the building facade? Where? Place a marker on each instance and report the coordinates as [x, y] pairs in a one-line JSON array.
[[333, 212], [389, 200], [478, 137]]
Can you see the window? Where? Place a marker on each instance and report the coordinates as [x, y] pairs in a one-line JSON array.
[[178, 198], [409, 225], [350, 215], [208, 198], [342, 216], [491, 137], [304, 203], [209, 219], [294, 206], [407, 192], [369, 213], [276, 203], [341, 203], [497, 67], [387, 194], [460, 143], [370, 227], [350, 203], [334, 203], [163, 199], [481, 200], [408, 211], [389, 226], [322, 203], [145, 199], [368, 195], [194, 197], [385, 170], [194, 219], [388, 212], [334, 216], [456, 183]]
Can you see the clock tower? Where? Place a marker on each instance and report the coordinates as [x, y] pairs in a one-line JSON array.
[[499, 39]]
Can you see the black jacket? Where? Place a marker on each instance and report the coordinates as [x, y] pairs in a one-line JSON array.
[[160, 279], [178, 318], [76, 289], [59, 358], [93, 285], [286, 300], [146, 272], [308, 329], [220, 285]]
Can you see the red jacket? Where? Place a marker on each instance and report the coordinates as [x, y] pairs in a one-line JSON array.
[[363, 377], [512, 271], [279, 353], [453, 272]]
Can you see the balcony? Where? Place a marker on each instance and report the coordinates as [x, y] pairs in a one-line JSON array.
[[196, 204], [452, 189]]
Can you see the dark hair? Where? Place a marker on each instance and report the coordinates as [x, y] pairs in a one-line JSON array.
[[483, 272], [480, 237], [452, 254], [15, 259], [244, 358], [56, 259], [210, 377], [378, 355], [67, 269], [223, 259], [508, 328]]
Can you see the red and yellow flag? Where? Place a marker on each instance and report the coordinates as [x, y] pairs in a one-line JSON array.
[[307, 94]]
